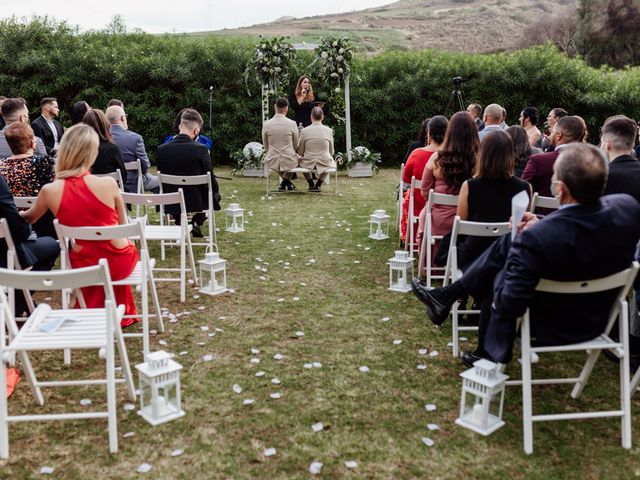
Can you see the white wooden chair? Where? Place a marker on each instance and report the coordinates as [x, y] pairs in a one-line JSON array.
[[429, 239], [24, 202], [452, 271], [141, 279], [411, 244], [550, 203], [13, 263], [194, 180], [117, 176], [622, 281], [137, 168], [400, 199], [96, 328], [164, 232]]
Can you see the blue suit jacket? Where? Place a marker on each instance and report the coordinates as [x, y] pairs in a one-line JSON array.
[[580, 242], [131, 147]]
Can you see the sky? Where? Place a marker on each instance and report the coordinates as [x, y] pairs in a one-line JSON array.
[[161, 16]]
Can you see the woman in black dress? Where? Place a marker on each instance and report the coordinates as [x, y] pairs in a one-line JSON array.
[[487, 196], [303, 100], [109, 156]]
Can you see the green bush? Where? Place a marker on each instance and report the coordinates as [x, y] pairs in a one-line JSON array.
[[156, 76]]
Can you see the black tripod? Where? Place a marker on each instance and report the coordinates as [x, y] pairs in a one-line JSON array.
[[211, 120], [455, 100]]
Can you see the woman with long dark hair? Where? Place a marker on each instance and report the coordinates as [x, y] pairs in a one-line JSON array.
[[109, 156], [522, 148], [303, 100], [448, 169]]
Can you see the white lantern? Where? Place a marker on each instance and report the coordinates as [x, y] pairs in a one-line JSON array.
[[235, 216], [482, 397], [400, 272], [159, 388], [213, 274], [379, 225]]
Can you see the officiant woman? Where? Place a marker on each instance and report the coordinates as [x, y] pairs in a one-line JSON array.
[[303, 100]]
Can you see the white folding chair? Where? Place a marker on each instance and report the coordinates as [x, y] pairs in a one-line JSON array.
[[452, 271], [429, 239], [13, 263], [24, 202], [194, 180], [163, 232], [621, 281], [141, 278], [117, 176], [136, 167], [411, 244], [550, 203], [400, 200], [96, 328]]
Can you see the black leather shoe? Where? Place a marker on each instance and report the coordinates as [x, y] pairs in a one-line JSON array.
[[437, 308], [282, 187], [469, 358], [196, 232]]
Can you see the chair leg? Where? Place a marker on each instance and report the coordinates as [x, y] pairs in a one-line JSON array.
[[527, 408], [31, 377], [635, 381], [585, 374], [625, 392], [192, 261], [154, 299], [4, 413], [183, 273], [111, 397], [454, 329], [144, 294], [126, 366]]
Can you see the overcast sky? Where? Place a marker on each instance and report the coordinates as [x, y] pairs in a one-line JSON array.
[[159, 16]]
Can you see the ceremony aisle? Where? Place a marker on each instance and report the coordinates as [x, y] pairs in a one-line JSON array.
[[310, 366]]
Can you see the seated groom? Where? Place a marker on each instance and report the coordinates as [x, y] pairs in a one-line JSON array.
[[185, 156], [588, 237], [316, 149], [280, 140], [39, 253]]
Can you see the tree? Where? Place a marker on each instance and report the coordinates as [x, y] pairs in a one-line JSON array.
[[607, 32], [559, 30]]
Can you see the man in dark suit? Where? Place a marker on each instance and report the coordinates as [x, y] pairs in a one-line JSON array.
[[185, 156], [539, 168], [39, 253], [47, 127], [588, 237], [617, 139]]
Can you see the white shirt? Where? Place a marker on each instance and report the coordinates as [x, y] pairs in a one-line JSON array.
[[53, 129]]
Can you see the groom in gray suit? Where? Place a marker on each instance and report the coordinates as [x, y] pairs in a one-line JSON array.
[[131, 147]]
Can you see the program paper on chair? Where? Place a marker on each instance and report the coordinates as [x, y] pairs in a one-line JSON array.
[[92, 329]]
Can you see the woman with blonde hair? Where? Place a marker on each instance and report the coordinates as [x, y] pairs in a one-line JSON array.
[[303, 100], [79, 199]]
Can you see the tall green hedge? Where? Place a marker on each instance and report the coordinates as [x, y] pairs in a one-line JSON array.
[[155, 76]]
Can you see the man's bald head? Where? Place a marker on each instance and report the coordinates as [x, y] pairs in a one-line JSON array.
[[492, 114], [115, 114]]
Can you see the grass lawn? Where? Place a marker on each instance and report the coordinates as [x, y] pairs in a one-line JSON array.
[[333, 284]]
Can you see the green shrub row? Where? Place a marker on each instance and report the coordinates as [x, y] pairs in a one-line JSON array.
[[155, 76]]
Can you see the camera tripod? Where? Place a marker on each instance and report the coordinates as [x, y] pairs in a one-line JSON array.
[[456, 99]]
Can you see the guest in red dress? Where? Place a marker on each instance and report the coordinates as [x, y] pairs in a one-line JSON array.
[[79, 199], [418, 158]]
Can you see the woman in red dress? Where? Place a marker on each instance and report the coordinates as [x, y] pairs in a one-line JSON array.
[[436, 128], [79, 199]]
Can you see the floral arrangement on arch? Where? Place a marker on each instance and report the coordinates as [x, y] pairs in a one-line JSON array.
[[362, 154], [271, 63], [250, 157], [334, 55]]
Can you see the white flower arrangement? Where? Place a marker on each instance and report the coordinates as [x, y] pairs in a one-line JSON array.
[[271, 63], [250, 157], [333, 59], [362, 154]]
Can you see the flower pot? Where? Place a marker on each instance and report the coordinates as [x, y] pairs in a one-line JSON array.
[[253, 172], [360, 169]]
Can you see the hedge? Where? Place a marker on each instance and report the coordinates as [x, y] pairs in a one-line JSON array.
[[155, 76]]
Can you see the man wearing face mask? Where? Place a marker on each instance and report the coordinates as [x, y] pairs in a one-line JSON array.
[[185, 156], [588, 237]]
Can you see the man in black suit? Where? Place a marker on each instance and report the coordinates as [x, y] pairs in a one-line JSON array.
[[617, 139], [185, 156], [47, 127], [39, 253], [588, 237]]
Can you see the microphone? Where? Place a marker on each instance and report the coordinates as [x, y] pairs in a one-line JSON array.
[[211, 88]]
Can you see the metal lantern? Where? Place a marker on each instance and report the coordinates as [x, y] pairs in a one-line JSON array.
[[379, 225], [235, 216], [400, 272], [159, 388], [482, 397], [213, 274]]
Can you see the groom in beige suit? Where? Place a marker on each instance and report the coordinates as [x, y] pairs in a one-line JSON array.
[[316, 149], [280, 139]]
